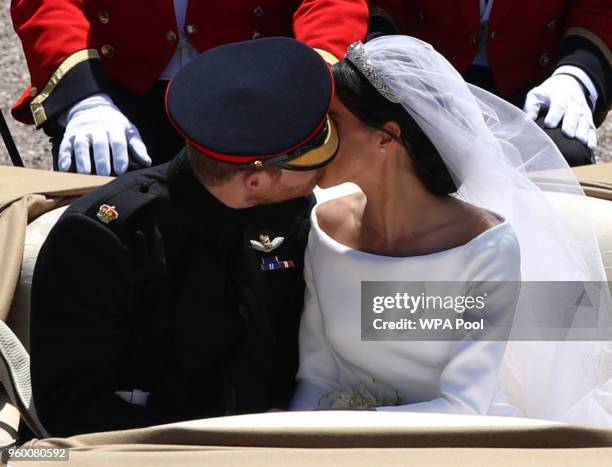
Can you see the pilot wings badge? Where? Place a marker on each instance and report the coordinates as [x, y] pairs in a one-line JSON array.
[[265, 244]]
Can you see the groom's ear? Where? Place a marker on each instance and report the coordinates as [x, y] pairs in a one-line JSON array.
[[258, 182], [254, 182]]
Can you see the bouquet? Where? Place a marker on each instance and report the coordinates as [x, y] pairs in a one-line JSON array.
[[359, 398]]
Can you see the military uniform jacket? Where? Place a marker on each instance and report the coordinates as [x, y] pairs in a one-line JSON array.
[[170, 298], [525, 39], [73, 46]]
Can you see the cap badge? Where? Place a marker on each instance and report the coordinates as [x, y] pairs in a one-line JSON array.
[[107, 213], [265, 244]]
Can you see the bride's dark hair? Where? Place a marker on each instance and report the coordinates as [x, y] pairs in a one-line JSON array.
[[369, 106]]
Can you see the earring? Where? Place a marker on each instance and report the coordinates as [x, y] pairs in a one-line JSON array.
[[382, 149]]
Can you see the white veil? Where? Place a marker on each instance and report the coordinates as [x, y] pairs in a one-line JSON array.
[[502, 161]]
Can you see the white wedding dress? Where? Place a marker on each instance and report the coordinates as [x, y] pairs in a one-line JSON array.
[[428, 376], [501, 161]]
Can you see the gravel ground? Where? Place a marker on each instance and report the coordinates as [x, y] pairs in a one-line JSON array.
[[34, 146]]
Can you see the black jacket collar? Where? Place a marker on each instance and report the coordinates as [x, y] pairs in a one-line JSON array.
[[207, 209], [201, 205]]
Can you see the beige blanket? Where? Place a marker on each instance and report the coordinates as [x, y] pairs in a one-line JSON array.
[[211, 456], [186, 445], [25, 194]]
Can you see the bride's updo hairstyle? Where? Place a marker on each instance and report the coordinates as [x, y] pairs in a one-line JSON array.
[[369, 106]]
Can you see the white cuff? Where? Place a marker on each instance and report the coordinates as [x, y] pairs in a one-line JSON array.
[[583, 77]]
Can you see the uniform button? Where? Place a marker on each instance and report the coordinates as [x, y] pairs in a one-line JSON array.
[[144, 188], [191, 29], [256, 35], [103, 16], [171, 37], [420, 15], [473, 40], [33, 91], [493, 35], [551, 25], [544, 59], [107, 51], [259, 12]]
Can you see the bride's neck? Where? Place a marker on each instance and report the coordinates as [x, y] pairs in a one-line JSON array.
[[398, 208]]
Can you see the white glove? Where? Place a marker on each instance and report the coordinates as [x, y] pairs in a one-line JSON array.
[[563, 96], [97, 122]]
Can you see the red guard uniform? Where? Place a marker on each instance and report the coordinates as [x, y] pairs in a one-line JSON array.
[[525, 39], [72, 46]]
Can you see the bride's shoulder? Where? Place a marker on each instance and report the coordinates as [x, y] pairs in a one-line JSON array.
[[476, 220], [494, 251], [332, 215], [485, 220]]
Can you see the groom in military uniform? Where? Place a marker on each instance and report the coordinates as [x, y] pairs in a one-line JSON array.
[[175, 292]]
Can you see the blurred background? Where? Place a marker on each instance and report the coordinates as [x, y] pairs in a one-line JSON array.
[[33, 145]]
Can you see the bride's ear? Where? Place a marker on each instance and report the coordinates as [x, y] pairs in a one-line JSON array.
[[390, 132]]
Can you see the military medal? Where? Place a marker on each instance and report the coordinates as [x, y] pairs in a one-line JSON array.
[[107, 213], [265, 244], [272, 263]]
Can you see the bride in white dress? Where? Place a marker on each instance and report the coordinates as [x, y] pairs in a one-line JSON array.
[[449, 192]]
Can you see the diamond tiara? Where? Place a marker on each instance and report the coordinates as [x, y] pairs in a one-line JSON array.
[[358, 56]]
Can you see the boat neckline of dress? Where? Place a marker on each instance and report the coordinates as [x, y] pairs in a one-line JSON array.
[[346, 249]]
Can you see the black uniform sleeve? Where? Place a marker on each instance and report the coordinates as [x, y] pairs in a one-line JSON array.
[[80, 328], [85, 79], [380, 24], [580, 52]]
